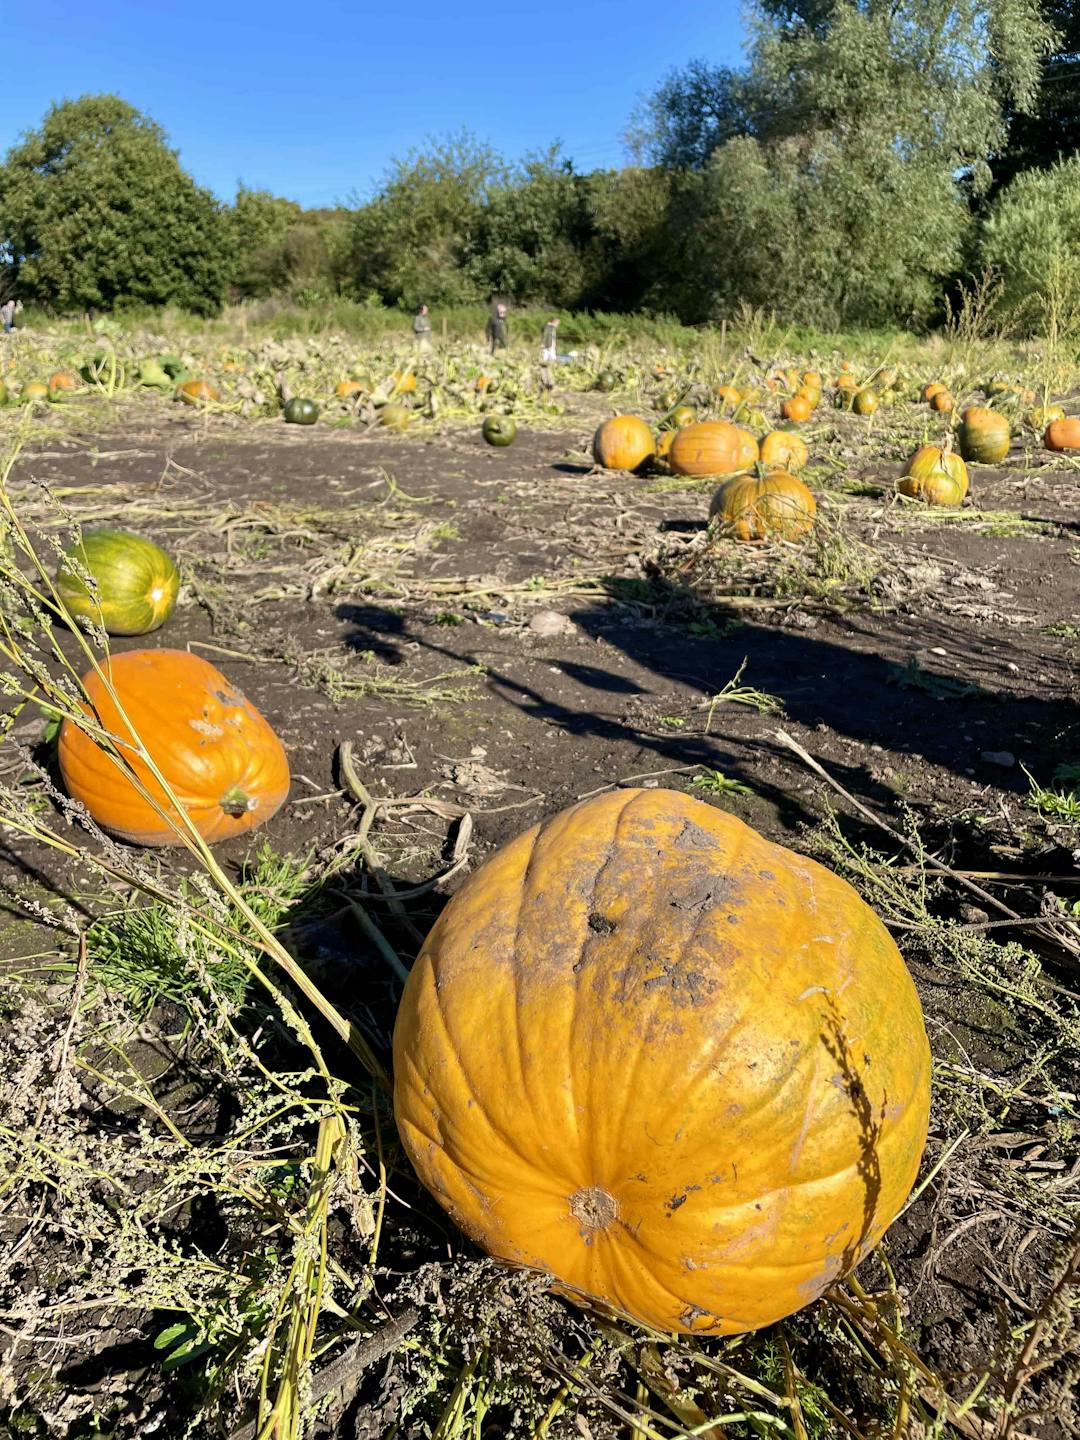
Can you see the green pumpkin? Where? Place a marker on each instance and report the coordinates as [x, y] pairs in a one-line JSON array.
[[137, 582], [499, 430], [606, 382], [173, 366], [299, 411]]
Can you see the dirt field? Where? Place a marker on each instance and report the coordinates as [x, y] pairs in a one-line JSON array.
[[510, 630]]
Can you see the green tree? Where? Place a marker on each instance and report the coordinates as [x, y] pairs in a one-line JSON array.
[[256, 226], [692, 112], [1050, 130], [868, 127], [534, 237], [1031, 237], [412, 242], [96, 211]]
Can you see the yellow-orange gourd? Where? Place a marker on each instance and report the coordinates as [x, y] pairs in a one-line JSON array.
[[624, 442], [712, 447], [680, 1068]]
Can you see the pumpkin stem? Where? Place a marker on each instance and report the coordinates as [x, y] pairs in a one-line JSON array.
[[237, 802]]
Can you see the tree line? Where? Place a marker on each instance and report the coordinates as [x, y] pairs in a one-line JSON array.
[[869, 159]]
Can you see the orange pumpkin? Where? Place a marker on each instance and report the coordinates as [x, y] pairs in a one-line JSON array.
[[1063, 434], [984, 435], [624, 442], [938, 476], [712, 447], [934, 388], [198, 392], [404, 382], [747, 507], [813, 379], [728, 396], [942, 402], [846, 381], [63, 381], [784, 450], [219, 756], [678, 1067], [812, 393], [349, 389], [797, 408]]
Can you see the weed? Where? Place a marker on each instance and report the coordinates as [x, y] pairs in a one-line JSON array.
[[713, 782], [939, 687], [1063, 805]]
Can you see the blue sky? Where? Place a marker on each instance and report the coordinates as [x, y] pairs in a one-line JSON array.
[[311, 102]]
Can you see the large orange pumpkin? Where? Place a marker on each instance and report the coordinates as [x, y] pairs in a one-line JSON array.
[[984, 435], [219, 756], [935, 475], [624, 442], [680, 1068], [1063, 434], [712, 447], [748, 508]]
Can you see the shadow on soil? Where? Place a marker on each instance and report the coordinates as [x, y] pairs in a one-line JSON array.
[[947, 712]]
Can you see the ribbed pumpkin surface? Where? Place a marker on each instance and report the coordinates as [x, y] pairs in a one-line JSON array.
[[624, 442], [137, 582], [937, 476], [682, 1069], [712, 447], [984, 435], [749, 508], [220, 757]]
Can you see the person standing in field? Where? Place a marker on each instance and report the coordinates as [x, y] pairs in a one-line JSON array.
[[422, 328], [7, 315], [549, 341], [497, 330]]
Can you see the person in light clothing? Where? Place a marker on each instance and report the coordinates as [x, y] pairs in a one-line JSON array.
[[7, 315], [549, 341]]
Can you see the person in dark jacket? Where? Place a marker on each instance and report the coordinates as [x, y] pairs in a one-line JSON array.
[[421, 326], [497, 330]]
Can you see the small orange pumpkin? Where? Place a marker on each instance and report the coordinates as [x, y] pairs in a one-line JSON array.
[[219, 756], [748, 508], [349, 389], [813, 379], [678, 1067], [784, 450], [942, 402], [712, 447], [404, 382], [796, 408], [728, 396], [1063, 434], [936, 475], [934, 388], [846, 381], [62, 381], [624, 442], [198, 392]]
